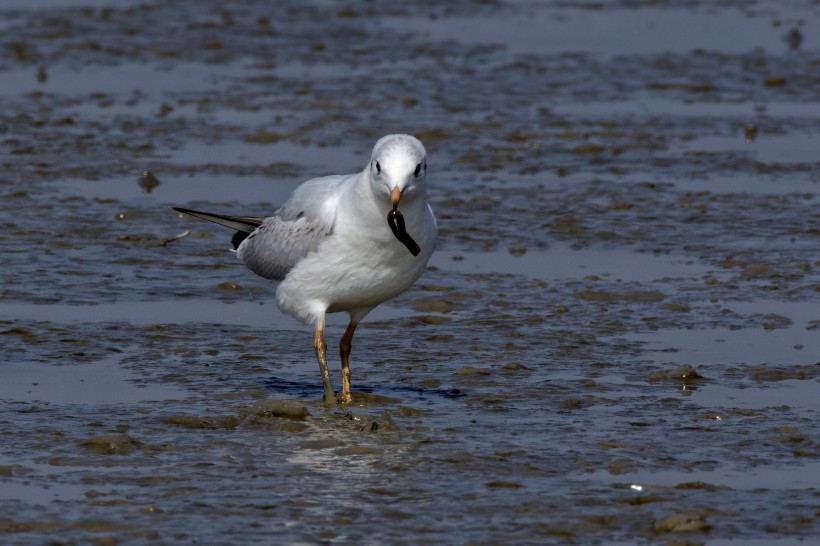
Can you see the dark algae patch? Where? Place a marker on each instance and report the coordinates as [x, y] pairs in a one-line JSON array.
[[616, 340]]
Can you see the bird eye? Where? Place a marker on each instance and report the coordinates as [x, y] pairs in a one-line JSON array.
[[378, 168], [418, 169]]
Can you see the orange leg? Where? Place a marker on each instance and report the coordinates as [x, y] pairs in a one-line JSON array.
[[344, 352], [321, 355]]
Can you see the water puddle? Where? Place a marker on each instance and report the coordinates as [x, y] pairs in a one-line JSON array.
[[180, 190], [560, 262], [26, 492], [744, 183], [772, 149], [800, 395], [313, 160], [32, 5], [796, 541], [783, 344], [125, 79], [328, 70], [646, 107], [723, 345], [96, 383], [153, 312], [611, 32], [797, 477], [240, 313], [320, 160]]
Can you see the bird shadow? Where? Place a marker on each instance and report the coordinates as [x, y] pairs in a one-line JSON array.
[[310, 390]]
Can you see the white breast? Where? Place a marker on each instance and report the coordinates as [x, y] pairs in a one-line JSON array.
[[358, 267]]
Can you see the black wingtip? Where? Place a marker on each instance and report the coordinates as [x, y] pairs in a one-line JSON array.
[[238, 237]]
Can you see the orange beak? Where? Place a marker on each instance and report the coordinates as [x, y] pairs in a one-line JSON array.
[[395, 196]]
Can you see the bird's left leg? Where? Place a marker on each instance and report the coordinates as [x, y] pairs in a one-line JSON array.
[[344, 352]]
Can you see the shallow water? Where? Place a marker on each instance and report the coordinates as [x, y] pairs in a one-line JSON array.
[[615, 342], [541, 29]]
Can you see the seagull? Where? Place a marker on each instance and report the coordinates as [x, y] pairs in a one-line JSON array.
[[340, 243]]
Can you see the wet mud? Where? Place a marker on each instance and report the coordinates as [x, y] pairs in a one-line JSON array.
[[616, 341]]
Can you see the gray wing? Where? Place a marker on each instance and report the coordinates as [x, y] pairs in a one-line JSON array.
[[296, 229]]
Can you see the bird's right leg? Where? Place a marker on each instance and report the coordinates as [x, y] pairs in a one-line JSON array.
[[321, 355]]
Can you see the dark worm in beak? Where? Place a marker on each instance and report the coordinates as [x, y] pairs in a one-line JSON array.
[[396, 222]]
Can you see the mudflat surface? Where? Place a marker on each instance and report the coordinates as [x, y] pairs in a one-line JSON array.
[[617, 340]]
